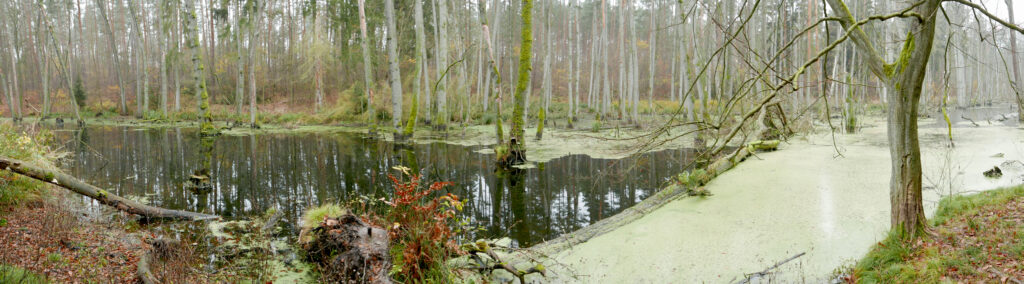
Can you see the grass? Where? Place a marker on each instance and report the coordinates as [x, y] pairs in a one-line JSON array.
[[313, 216], [14, 275], [972, 236], [26, 146]]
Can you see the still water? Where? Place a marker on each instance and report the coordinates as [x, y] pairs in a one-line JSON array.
[[252, 173]]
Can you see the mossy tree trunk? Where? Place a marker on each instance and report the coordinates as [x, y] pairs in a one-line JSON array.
[[904, 79], [192, 30], [421, 58], [367, 65], [517, 145]]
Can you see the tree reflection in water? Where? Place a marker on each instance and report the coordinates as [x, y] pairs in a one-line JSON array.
[[252, 173]]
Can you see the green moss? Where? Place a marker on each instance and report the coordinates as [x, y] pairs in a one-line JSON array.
[[901, 63], [518, 111], [410, 125], [540, 123]]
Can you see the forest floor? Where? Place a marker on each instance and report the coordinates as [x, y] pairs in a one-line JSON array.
[[46, 238], [976, 239]]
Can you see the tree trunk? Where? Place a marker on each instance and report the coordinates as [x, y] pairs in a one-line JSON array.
[[546, 81], [206, 121], [441, 122], [15, 93], [367, 65], [396, 76], [1016, 67], [163, 43], [904, 79], [653, 49], [104, 197], [44, 60], [421, 59], [517, 143], [142, 95], [239, 62]]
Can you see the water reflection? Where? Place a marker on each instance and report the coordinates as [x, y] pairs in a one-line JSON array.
[[249, 174]]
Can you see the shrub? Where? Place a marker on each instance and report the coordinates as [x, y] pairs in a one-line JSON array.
[[28, 147], [79, 91], [421, 229]]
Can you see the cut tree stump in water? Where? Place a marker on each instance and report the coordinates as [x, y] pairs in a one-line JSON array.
[[104, 197], [349, 250]]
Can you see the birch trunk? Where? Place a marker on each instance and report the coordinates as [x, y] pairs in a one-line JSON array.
[[396, 77], [441, 121]]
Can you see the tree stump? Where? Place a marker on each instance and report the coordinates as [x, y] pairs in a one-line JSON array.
[[349, 250]]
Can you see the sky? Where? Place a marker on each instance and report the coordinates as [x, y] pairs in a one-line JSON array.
[[998, 7]]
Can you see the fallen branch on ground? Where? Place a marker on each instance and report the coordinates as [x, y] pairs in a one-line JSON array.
[[104, 197]]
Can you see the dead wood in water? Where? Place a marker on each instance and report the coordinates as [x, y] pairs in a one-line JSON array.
[[769, 269], [104, 197]]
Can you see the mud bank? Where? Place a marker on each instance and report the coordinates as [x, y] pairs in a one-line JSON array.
[[801, 199]]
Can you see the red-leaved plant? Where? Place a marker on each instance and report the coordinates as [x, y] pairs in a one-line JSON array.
[[420, 228]]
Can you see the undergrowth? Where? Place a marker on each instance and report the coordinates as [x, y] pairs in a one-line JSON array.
[[422, 226], [29, 146], [11, 274], [971, 235]]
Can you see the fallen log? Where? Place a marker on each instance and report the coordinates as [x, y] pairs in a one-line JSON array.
[[98, 194]]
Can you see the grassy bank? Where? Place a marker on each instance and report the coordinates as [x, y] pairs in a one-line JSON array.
[[975, 238]]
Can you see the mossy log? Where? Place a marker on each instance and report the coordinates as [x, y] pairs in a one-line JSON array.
[[349, 250], [763, 145], [104, 197], [483, 248]]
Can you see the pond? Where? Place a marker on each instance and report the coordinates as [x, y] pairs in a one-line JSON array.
[[252, 173]]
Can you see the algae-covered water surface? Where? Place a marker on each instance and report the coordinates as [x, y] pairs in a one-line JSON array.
[[250, 174]]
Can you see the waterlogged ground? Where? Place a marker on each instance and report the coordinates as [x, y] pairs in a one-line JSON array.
[[562, 191], [801, 199]]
